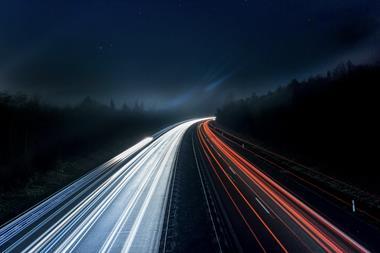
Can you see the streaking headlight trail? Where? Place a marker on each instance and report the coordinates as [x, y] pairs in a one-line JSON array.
[[118, 207]]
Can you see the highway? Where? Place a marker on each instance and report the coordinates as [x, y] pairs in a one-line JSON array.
[[262, 210], [189, 185], [118, 207]]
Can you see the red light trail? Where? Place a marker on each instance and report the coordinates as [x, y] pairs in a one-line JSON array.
[[304, 223]]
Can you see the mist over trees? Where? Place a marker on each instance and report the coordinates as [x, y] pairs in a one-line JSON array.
[[34, 136], [329, 121]]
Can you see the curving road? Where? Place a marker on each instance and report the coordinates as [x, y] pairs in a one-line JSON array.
[[223, 202], [119, 206]]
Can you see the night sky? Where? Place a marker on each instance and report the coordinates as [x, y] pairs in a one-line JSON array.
[[179, 53]]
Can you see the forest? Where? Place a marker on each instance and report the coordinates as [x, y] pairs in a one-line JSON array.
[[329, 122], [35, 136]]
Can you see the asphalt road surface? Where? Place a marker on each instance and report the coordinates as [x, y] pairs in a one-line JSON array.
[[189, 189]]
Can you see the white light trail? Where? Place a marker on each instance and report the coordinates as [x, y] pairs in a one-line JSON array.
[[122, 212]]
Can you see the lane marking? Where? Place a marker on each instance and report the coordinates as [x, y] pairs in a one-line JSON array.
[[262, 205], [205, 194]]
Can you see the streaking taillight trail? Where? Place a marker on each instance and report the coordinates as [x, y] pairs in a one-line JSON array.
[[318, 229]]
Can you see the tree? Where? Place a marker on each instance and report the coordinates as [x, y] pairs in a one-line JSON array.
[[125, 107], [138, 106], [112, 104]]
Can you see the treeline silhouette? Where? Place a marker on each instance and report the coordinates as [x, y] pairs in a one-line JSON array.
[[34, 136], [329, 121]]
